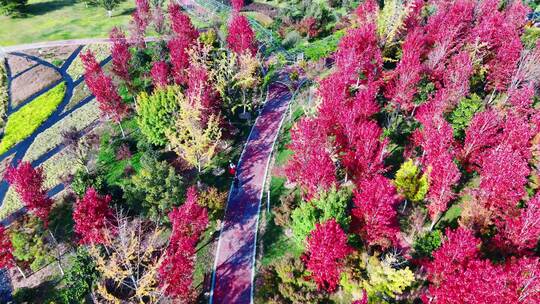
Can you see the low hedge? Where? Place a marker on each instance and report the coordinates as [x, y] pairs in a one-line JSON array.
[[25, 121]]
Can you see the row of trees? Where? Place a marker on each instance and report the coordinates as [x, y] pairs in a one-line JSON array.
[[400, 126]]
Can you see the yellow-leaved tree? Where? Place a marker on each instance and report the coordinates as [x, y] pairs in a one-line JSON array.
[[193, 137], [128, 263]]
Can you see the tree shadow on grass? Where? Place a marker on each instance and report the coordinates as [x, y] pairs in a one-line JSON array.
[[42, 8]]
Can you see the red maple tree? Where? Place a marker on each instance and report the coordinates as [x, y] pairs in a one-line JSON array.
[[520, 234], [374, 213], [120, 54], [103, 88], [160, 74], [327, 247], [311, 164], [188, 223], [28, 183], [178, 51], [237, 5], [6, 249], [91, 214], [181, 23], [241, 37], [457, 266], [404, 79]]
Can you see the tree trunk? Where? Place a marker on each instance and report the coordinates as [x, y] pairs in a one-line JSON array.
[[109, 13], [122, 129]]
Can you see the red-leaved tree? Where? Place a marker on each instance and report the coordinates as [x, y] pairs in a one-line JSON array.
[[405, 78], [188, 223], [181, 23], [160, 74], [178, 51], [120, 54], [28, 183], [311, 164], [200, 90], [520, 234], [6, 249], [457, 266], [241, 37], [374, 213], [102, 86], [326, 250], [91, 215], [237, 5]]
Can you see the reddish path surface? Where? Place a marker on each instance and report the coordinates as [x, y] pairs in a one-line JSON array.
[[232, 281]]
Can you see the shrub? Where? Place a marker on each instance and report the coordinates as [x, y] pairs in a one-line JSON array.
[[463, 114], [79, 278], [83, 180], [26, 120], [410, 182], [214, 201], [333, 204], [28, 237], [155, 189], [291, 39], [12, 7], [425, 244]]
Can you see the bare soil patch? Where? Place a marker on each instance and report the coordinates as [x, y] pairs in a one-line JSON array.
[[55, 55], [32, 82], [18, 64]]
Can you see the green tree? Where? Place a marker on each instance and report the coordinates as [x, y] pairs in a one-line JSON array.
[[155, 189], [12, 7], [293, 287], [194, 136], [410, 182], [155, 113], [425, 244], [83, 180], [108, 5], [462, 115], [79, 279], [382, 279], [28, 237], [333, 204]]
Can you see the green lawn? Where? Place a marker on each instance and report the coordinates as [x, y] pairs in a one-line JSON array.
[[61, 19]]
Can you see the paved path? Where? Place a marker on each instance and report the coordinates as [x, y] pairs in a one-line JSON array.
[[234, 269], [47, 44]]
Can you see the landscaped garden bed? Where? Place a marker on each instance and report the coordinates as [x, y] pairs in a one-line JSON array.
[[32, 82], [55, 55], [28, 118]]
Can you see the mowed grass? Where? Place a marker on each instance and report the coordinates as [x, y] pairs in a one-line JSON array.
[[26, 120], [62, 19]]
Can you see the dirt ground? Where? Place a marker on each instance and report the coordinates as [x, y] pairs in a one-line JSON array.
[[18, 64], [55, 55], [32, 82]]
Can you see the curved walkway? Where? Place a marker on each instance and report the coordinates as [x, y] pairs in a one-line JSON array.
[[47, 44], [20, 149], [234, 268]]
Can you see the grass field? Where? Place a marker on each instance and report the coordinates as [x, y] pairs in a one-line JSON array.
[[61, 19]]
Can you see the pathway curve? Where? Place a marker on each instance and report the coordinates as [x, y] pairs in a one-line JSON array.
[[234, 268], [20, 149], [47, 44]]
